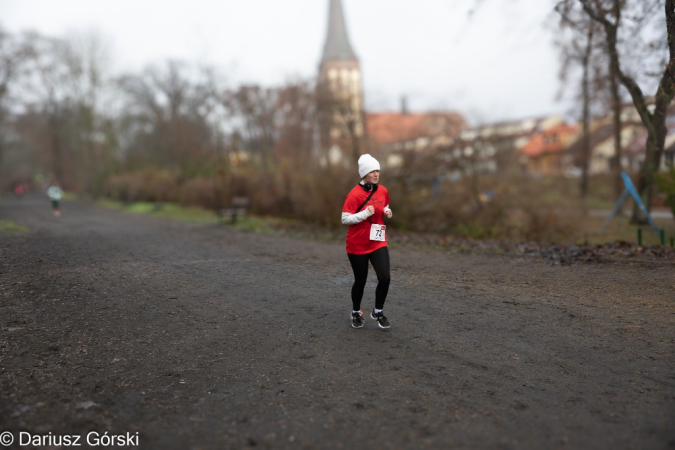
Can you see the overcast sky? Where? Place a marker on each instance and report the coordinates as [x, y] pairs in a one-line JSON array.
[[495, 64]]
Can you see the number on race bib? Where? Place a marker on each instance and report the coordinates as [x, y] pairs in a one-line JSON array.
[[378, 232]]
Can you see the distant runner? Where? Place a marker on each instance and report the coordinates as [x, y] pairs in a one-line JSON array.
[[55, 194], [364, 210]]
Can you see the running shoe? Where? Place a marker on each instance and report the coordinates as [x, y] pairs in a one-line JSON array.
[[357, 319], [381, 320]]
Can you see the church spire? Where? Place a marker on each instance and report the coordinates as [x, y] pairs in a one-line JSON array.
[[337, 45], [339, 92]]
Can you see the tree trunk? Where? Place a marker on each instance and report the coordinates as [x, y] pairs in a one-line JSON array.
[[356, 151], [616, 106], [616, 110], [654, 151], [586, 119], [54, 125]]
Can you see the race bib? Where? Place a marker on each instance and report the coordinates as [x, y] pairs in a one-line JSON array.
[[377, 232]]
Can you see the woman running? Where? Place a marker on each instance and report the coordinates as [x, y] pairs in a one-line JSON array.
[[364, 211], [55, 193]]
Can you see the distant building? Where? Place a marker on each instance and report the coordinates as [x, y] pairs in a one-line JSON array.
[[391, 134], [545, 153], [492, 148], [633, 143], [452, 150]]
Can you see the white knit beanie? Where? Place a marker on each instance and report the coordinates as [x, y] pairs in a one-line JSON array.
[[367, 164]]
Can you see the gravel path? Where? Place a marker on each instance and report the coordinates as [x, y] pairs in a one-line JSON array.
[[200, 337]]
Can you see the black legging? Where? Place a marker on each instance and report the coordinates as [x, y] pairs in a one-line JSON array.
[[380, 261]]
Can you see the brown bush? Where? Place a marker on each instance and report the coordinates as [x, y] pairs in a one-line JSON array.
[[205, 192], [123, 187], [545, 225], [160, 186], [148, 185], [315, 194]]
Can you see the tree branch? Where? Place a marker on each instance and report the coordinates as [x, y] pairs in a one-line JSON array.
[[594, 15], [628, 81]]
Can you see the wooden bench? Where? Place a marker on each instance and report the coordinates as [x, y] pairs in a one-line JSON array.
[[238, 208]]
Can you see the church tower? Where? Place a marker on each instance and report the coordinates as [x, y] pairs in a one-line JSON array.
[[339, 91]]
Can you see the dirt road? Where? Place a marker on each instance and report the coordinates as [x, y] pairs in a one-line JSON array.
[[200, 337]]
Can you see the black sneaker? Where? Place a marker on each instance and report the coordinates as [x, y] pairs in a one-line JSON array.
[[381, 320], [357, 319]]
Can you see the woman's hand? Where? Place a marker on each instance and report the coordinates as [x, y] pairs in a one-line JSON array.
[[371, 209], [387, 212]]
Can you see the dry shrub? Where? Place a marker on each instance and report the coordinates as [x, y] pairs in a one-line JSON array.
[[545, 225], [309, 193], [487, 222], [416, 210], [148, 185], [123, 187], [452, 210], [160, 186], [317, 194], [265, 193], [241, 181], [206, 192], [458, 211], [665, 181]]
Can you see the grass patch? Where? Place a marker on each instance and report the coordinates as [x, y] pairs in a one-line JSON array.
[[11, 227], [253, 224], [110, 204], [620, 229], [164, 210]]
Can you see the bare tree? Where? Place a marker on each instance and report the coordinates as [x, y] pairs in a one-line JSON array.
[[86, 57], [472, 157], [44, 90], [13, 54], [575, 53], [61, 80], [609, 14], [296, 121], [167, 121], [253, 110]]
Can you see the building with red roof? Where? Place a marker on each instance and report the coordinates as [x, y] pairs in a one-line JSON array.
[[545, 152]]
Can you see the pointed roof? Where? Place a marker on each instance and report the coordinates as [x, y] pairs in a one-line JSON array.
[[337, 45]]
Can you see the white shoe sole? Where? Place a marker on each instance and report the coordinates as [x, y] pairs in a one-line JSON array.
[[378, 322]]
